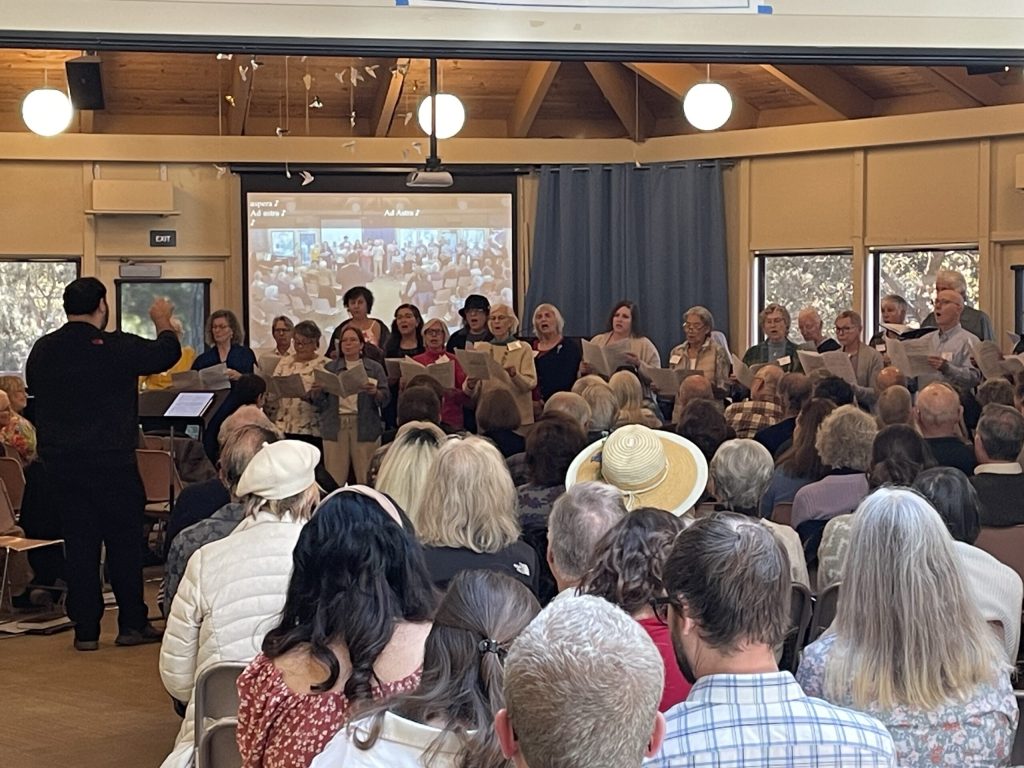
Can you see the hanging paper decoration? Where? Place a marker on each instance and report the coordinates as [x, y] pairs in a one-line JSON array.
[[371, 70], [244, 72]]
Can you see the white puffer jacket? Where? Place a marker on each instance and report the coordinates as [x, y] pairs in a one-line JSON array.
[[231, 595]]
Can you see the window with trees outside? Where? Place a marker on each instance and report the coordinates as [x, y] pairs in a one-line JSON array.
[[911, 274], [191, 300], [797, 280], [31, 304]]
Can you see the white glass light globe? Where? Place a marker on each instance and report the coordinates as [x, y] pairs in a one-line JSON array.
[[451, 115], [707, 106], [47, 111]]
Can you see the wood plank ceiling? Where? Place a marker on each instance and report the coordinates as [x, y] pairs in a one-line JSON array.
[[201, 94]]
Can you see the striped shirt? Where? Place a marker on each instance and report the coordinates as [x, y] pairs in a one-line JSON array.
[[766, 721]]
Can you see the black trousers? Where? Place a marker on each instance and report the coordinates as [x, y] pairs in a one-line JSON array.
[[101, 504]]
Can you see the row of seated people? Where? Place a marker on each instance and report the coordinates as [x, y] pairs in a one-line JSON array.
[[360, 663]]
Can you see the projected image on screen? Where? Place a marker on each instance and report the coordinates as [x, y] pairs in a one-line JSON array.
[[431, 250]]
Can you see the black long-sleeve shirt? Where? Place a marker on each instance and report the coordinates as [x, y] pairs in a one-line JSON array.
[[84, 382]]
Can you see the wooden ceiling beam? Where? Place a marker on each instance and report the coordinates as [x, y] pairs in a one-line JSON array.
[[822, 87], [944, 85], [389, 92], [982, 88], [530, 96], [677, 79], [237, 107], [620, 91]]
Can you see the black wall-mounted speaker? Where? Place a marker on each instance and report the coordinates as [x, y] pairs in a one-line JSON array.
[[85, 83]]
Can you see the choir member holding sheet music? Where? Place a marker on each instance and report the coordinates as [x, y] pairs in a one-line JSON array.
[[893, 309], [225, 340], [624, 332], [351, 426], [435, 336], [405, 340], [282, 329], [776, 347], [865, 361], [699, 352], [510, 366], [298, 411], [557, 358], [952, 356]]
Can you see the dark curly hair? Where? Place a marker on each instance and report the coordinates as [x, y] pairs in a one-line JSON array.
[[626, 567], [355, 574]]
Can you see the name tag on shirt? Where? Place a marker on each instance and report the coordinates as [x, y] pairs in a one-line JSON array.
[[784, 360], [515, 345], [674, 359], [470, 344], [881, 347], [947, 356], [442, 359]]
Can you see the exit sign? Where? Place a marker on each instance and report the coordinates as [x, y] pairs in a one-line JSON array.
[[163, 238]]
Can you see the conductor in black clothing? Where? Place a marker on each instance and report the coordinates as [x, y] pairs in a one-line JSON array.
[[85, 387]]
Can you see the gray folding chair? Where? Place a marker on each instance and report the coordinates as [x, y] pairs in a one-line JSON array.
[[824, 611], [216, 711]]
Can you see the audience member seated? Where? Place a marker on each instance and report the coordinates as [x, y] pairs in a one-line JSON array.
[[995, 588], [579, 518], [794, 390], [497, 419], [801, 464], [16, 431], [14, 386], [762, 410], [241, 446], [692, 388], [568, 404], [894, 406], [729, 591], [809, 322], [625, 569], [998, 478], [586, 381], [844, 444], [557, 358], [908, 645], [833, 388], [552, 444], [703, 424], [889, 376], [740, 472], [233, 587], [898, 455], [165, 380], [467, 516], [629, 392], [998, 391], [699, 351], [604, 408], [776, 348], [199, 501], [405, 471], [249, 389], [435, 336], [574, 704], [358, 610], [514, 356], [449, 720], [652, 468], [937, 414], [973, 320], [418, 403]]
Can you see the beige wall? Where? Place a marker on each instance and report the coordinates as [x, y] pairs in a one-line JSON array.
[[917, 180]]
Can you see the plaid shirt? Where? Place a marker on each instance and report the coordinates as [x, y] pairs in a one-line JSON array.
[[751, 416], [766, 721]]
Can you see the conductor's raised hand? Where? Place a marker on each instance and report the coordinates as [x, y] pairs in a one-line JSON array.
[[161, 312]]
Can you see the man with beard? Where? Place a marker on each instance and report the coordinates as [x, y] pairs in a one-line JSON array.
[[85, 381], [728, 587]]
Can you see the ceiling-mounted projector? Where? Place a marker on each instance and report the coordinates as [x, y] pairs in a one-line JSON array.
[[428, 178]]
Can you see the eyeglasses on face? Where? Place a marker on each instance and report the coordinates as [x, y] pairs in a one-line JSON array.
[[843, 328], [220, 327], [693, 326], [300, 341], [281, 329], [660, 606]]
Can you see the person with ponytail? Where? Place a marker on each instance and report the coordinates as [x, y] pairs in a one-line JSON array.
[[356, 615], [449, 721]]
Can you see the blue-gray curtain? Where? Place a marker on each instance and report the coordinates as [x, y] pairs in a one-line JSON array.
[[654, 235]]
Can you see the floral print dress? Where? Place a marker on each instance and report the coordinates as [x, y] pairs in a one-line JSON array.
[[975, 731]]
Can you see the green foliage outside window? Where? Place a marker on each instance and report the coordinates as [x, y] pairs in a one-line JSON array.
[[31, 305], [823, 281], [911, 274]]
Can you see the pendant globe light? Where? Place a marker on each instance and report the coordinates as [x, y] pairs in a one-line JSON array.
[[707, 105], [47, 111], [451, 115]]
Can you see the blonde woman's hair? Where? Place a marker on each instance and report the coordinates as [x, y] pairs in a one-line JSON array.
[[300, 506], [405, 471], [907, 631], [629, 393], [586, 381], [471, 502]]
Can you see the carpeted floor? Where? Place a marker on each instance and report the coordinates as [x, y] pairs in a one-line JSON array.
[[62, 708]]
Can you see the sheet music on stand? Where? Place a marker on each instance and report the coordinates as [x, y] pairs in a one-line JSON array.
[[190, 405]]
